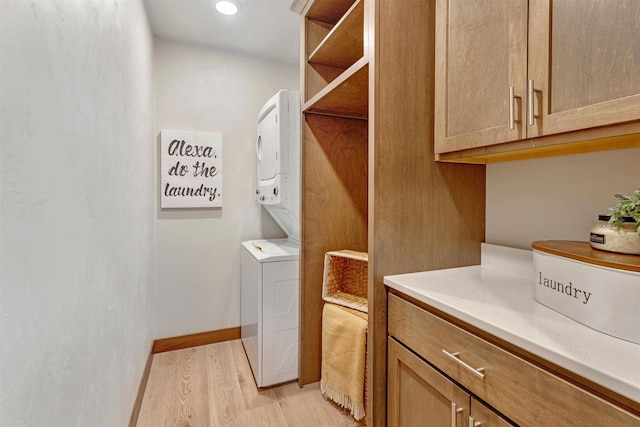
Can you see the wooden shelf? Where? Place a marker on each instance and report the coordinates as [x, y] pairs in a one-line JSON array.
[[346, 96], [329, 11], [582, 251], [344, 44]]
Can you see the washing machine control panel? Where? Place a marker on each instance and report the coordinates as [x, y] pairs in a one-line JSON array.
[[271, 194]]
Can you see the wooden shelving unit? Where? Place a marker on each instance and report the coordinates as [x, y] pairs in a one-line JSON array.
[[334, 159], [369, 179]]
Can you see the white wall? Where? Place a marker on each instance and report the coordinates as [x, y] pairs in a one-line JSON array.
[[197, 252], [76, 202], [556, 198]]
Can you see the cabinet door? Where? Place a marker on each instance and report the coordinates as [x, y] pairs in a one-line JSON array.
[[584, 63], [418, 395], [481, 53], [483, 416]]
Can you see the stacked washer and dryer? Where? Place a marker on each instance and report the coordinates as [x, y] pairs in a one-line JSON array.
[[270, 268]]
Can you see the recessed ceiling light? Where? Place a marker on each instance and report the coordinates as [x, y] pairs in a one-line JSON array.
[[227, 7]]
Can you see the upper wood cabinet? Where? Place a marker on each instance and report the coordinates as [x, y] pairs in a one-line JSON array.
[[513, 70], [481, 52], [584, 64]]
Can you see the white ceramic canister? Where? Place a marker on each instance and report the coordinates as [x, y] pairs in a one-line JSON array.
[[602, 298]]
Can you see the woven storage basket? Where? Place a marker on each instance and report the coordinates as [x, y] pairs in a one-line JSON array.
[[345, 279]]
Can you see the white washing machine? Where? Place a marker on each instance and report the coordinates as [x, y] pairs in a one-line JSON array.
[[270, 268], [269, 312]]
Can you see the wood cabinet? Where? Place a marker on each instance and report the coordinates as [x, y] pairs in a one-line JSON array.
[[420, 395], [368, 175], [481, 51], [515, 70], [584, 63], [483, 416], [522, 392]]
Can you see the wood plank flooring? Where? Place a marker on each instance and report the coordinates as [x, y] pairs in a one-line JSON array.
[[212, 385]]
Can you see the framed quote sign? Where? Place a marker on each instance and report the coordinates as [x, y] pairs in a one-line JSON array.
[[191, 169]]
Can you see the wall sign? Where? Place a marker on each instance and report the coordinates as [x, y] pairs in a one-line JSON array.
[[191, 169]]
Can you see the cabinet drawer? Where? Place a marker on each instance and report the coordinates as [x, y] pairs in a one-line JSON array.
[[523, 392]]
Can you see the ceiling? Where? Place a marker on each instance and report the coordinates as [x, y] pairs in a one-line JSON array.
[[263, 28]]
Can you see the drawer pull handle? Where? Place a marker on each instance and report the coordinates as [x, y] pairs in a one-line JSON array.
[[456, 358], [454, 414], [474, 423]]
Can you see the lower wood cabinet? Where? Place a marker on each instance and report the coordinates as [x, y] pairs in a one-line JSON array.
[[418, 395], [441, 375]]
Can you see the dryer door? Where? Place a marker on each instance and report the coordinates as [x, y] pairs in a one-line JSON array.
[[267, 145]]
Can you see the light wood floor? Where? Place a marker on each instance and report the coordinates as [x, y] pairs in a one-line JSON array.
[[212, 385]]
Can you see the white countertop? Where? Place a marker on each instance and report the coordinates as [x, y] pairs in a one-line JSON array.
[[497, 298]]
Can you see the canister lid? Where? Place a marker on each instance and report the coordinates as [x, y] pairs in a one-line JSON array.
[[582, 251]]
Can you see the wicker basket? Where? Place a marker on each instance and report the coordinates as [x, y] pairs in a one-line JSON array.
[[345, 279]]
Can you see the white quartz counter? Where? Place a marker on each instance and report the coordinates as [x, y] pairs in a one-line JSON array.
[[497, 297]]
